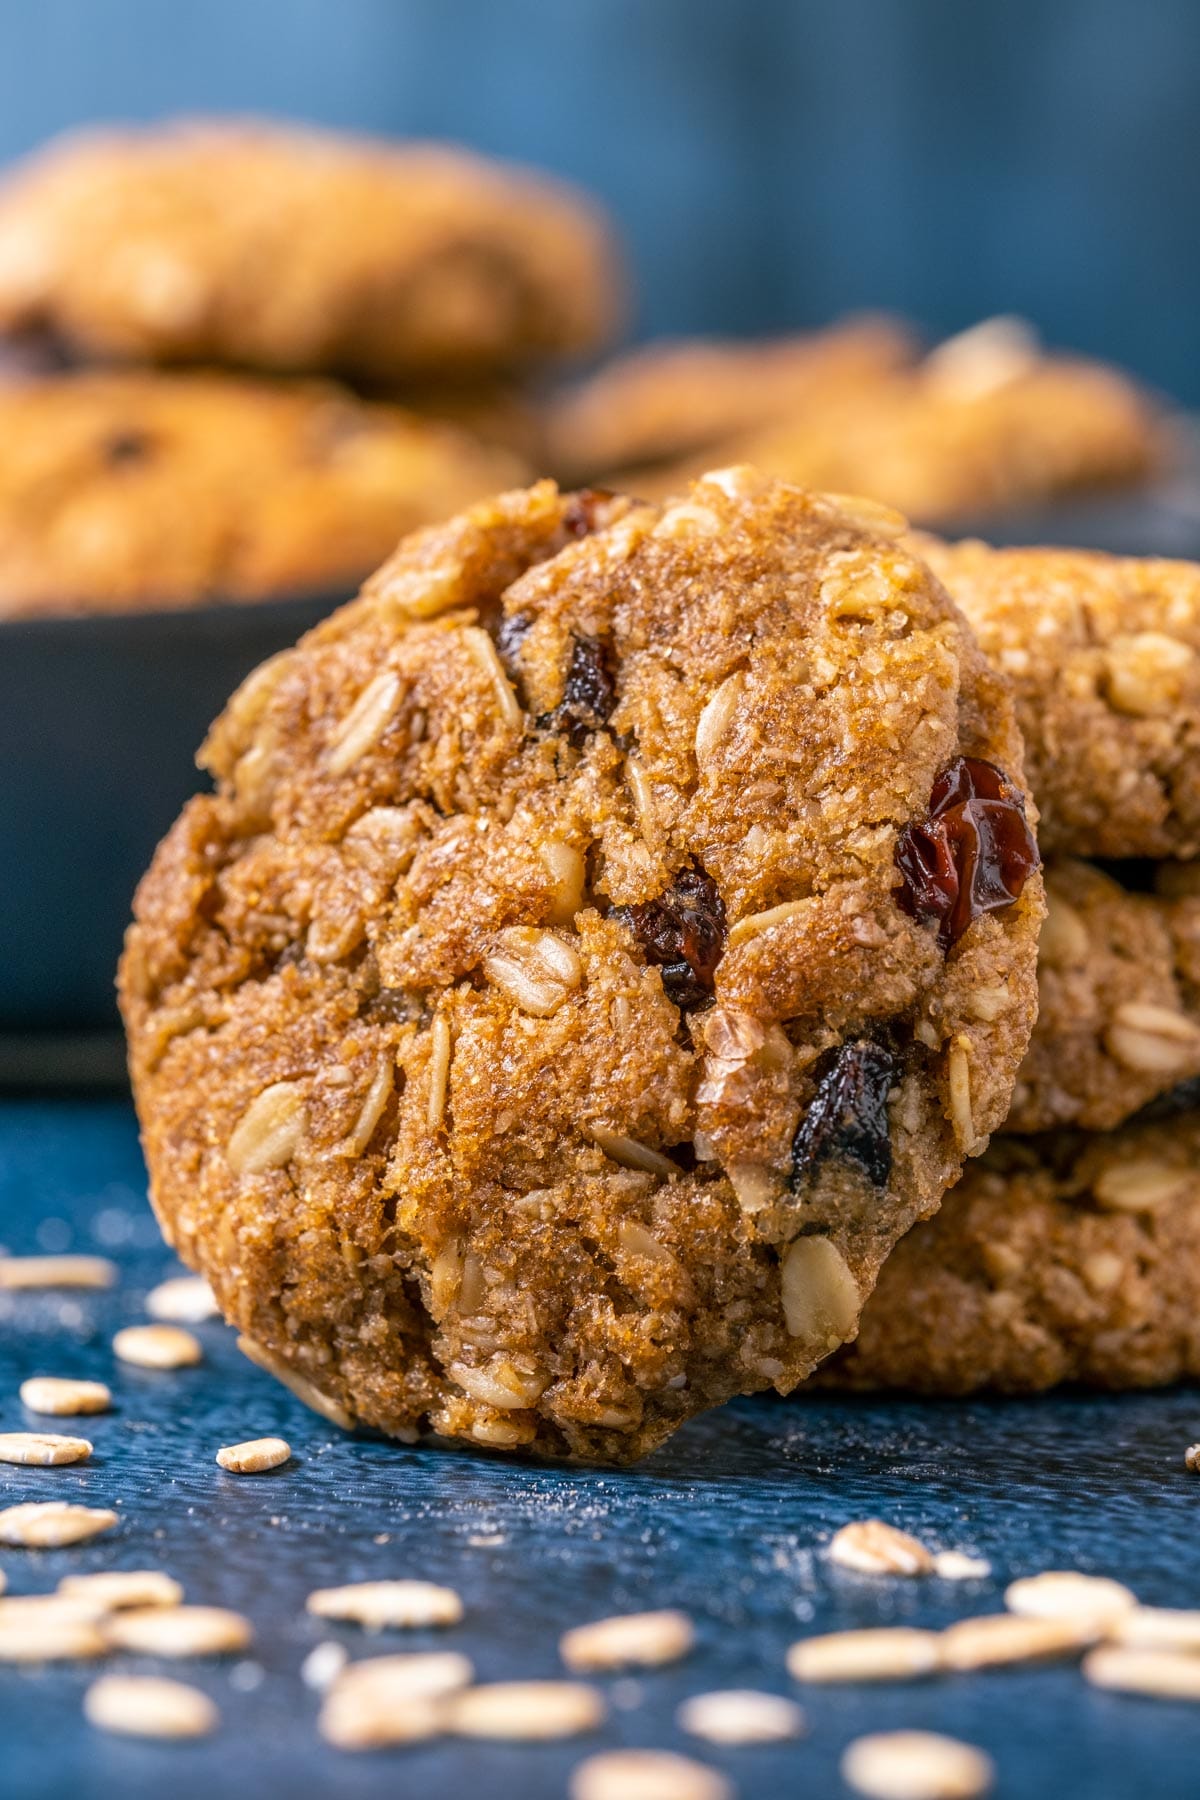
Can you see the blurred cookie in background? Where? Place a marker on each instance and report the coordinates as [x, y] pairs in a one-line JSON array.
[[292, 249], [679, 397], [985, 424], [136, 490]]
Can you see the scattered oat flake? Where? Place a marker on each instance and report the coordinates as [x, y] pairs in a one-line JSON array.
[[378, 1604], [997, 1638], [50, 1524], [872, 1547], [629, 1641], [1162, 1674], [149, 1706], [392, 1699], [36, 1610], [1065, 1594], [42, 1449], [741, 1716], [526, 1710], [60, 1396], [57, 1271], [890, 1653], [1158, 1628], [916, 1765], [646, 1775], [114, 1590], [180, 1631], [253, 1457], [157, 1347], [26, 1637], [956, 1565], [182, 1300]]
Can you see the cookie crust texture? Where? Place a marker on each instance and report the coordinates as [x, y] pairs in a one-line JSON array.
[[131, 491], [413, 1090], [1068, 1258], [291, 249], [986, 424], [1118, 1001], [1104, 654]]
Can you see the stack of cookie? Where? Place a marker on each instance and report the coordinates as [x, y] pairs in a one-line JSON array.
[[986, 423], [1071, 1251], [345, 325]]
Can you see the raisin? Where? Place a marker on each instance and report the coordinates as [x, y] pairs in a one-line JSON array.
[[972, 853], [683, 931], [580, 513], [848, 1118], [510, 635], [122, 447], [590, 693]]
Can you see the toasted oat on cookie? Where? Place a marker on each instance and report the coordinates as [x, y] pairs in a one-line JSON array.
[[1104, 653], [547, 965], [127, 491], [1069, 1257], [288, 248]]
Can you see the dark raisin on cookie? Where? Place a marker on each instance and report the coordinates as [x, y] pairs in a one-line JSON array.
[[972, 853], [848, 1118], [510, 635], [683, 931], [590, 693], [581, 514], [122, 447]]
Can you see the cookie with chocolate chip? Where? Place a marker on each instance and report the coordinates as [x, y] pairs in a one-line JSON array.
[[1104, 654], [1065, 1258], [134, 491], [296, 250], [572, 988], [1119, 1001]]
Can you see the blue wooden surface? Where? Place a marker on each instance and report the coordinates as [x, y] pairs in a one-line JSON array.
[[727, 1520]]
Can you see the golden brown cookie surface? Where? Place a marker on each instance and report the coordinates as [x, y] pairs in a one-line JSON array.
[[1118, 1003], [127, 491], [292, 249], [545, 1030], [1104, 654], [1065, 1258]]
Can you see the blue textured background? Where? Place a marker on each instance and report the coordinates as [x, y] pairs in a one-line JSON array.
[[727, 1520], [773, 161]]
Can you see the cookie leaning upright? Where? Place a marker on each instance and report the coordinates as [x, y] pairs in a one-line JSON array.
[[287, 248], [608, 935]]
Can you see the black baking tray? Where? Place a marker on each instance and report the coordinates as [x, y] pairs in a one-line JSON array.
[[100, 720]]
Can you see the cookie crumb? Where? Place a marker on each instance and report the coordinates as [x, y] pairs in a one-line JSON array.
[[1191, 1458]]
